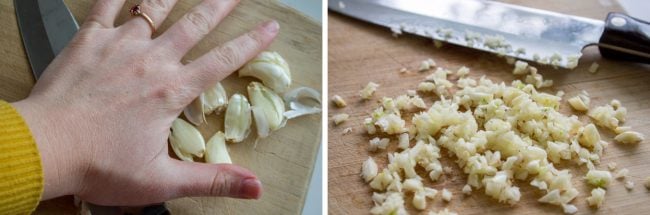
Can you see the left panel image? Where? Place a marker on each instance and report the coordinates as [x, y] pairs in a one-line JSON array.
[[160, 107]]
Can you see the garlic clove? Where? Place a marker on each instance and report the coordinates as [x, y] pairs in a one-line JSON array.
[[215, 99], [271, 69], [270, 103], [238, 119], [216, 150], [194, 112], [186, 140]]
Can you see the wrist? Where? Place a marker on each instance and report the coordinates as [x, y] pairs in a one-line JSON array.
[[62, 168]]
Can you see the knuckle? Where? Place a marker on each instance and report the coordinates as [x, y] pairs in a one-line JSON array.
[[199, 21], [157, 4], [220, 185], [227, 55], [174, 94], [255, 39]]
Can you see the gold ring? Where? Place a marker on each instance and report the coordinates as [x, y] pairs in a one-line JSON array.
[[136, 11]]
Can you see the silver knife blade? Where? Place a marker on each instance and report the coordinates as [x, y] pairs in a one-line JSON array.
[[46, 27], [529, 34]]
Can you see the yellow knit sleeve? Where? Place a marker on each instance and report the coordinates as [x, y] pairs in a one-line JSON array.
[[21, 173]]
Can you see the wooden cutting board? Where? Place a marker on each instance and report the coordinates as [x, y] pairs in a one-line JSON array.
[[361, 52], [283, 161]]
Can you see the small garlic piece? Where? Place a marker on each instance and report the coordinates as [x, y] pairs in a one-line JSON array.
[[580, 102], [403, 141], [268, 108], [271, 69], [186, 140], [446, 195], [216, 150], [569, 208], [598, 178], [340, 118], [646, 183], [443, 212], [238, 118], [467, 190], [629, 185], [596, 198], [339, 101], [621, 174], [520, 68], [589, 136], [629, 137], [369, 169], [378, 143], [369, 90]]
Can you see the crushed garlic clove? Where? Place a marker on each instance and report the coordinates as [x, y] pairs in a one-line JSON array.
[[186, 140], [271, 69], [238, 119], [270, 103], [216, 150]]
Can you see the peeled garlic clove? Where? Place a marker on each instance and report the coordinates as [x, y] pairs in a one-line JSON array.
[[186, 140], [215, 99], [271, 69], [195, 111], [216, 151], [238, 118], [270, 103]]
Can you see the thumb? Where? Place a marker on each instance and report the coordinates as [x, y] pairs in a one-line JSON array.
[[200, 179]]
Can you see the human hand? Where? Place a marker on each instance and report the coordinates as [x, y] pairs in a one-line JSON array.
[[102, 110]]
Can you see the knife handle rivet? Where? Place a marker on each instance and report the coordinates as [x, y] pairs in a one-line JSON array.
[[618, 21]]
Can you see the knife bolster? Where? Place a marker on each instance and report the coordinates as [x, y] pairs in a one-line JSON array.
[[625, 38]]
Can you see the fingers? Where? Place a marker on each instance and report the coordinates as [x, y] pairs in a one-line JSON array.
[[157, 10], [199, 179], [222, 61], [103, 13], [197, 23]]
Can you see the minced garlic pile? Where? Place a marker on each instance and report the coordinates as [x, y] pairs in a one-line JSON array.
[[496, 132]]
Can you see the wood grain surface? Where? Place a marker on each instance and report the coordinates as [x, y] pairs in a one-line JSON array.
[[283, 161], [361, 52]]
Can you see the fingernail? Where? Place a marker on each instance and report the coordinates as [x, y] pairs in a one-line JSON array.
[[251, 189], [271, 26]]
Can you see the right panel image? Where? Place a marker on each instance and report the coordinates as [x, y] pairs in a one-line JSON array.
[[488, 107]]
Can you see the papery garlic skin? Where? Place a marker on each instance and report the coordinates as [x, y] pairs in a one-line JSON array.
[[238, 118], [216, 150], [214, 99], [270, 103], [271, 69], [186, 140]]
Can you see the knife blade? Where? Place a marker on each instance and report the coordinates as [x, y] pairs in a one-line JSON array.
[[509, 30], [46, 27]]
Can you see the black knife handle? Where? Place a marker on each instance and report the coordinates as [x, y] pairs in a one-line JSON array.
[[625, 38]]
